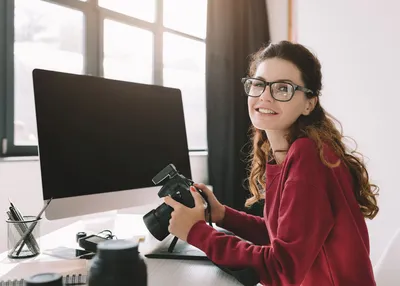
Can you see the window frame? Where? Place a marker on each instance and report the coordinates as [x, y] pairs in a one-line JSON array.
[[93, 57]]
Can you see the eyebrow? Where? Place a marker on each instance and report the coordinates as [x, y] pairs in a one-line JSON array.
[[282, 79]]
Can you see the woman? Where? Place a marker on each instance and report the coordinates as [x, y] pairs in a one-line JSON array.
[[317, 193]]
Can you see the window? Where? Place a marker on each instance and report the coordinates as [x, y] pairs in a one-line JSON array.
[[153, 42], [46, 36], [183, 70], [144, 10], [129, 57]]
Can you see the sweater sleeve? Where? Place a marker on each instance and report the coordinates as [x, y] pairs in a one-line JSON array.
[[249, 227], [305, 220]]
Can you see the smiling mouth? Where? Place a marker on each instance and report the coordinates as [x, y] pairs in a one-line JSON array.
[[265, 111]]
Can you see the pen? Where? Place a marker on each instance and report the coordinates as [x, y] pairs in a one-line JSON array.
[[14, 208], [30, 229]]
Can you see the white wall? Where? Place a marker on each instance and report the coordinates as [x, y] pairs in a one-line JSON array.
[[358, 44], [278, 19]]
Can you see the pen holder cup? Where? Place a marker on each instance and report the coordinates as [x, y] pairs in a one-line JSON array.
[[22, 237]]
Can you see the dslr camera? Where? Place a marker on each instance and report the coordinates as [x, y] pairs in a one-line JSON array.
[[178, 187]]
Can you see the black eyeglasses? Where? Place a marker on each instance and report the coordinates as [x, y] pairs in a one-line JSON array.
[[280, 90]]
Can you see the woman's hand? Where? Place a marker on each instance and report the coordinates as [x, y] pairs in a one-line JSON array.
[[183, 218], [217, 209]]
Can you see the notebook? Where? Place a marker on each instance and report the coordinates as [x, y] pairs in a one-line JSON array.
[[74, 272], [69, 279]]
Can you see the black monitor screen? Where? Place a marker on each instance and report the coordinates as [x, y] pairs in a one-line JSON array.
[[99, 135]]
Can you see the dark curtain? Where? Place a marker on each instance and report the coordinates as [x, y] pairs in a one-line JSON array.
[[235, 29]]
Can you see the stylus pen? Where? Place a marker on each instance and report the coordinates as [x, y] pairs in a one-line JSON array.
[[30, 229]]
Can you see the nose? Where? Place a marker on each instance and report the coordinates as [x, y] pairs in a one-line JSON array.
[[266, 95]]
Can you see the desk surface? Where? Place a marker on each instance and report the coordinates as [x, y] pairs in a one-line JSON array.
[[160, 271]]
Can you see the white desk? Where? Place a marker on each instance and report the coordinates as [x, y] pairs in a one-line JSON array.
[[160, 271]]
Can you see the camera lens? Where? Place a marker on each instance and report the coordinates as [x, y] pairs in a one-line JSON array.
[[157, 221]]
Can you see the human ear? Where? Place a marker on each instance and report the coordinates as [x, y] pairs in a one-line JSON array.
[[310, 105]]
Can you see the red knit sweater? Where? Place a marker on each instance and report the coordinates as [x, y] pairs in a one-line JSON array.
[[312, 233]]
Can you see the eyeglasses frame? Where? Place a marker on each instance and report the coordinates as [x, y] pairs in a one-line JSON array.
[[270, 83]]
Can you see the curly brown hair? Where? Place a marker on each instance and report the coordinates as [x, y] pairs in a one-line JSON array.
[[318, 125]]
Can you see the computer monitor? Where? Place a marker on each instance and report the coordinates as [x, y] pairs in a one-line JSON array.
[[101, 141]]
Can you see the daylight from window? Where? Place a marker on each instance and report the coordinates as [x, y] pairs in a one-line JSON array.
[[51, 36]]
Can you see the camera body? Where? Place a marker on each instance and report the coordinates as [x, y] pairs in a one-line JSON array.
[[178, 187]]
